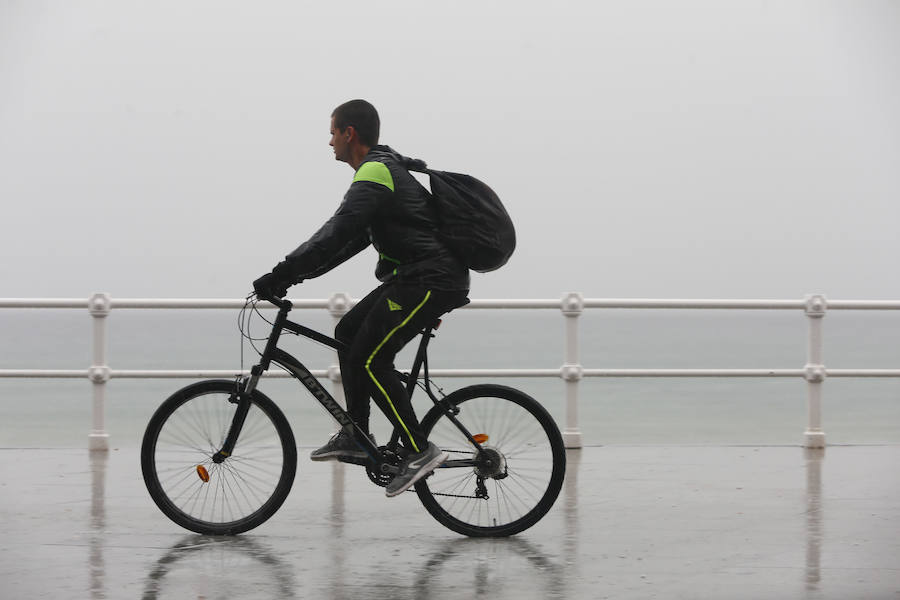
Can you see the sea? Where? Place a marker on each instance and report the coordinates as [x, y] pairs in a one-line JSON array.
[[639, 411]]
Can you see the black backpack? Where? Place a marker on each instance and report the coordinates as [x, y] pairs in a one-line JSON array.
[[473, 221]]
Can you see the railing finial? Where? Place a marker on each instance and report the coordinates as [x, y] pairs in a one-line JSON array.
[[572, 304], [816, 305], [339, 304], [100, 304]]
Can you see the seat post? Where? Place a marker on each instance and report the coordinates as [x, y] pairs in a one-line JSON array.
[[421, 357]]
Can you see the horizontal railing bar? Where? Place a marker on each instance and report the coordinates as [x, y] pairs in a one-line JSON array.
[[44, 373], [211, 303], [537, 303], [514, 373], [226, 373], [691, 303], [494, 372], [201, 374], [633, 303], [864, 304], [862, 372], [153, 374], [44, 303], [299, 303], [694, 372], [227, 303]]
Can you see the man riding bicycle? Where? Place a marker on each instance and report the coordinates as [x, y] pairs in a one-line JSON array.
[[421, 279]]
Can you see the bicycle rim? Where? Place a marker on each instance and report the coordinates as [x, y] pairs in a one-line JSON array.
[[476, 501], [217, 498]]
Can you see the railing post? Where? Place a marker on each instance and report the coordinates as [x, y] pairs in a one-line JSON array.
[[99, 306], [816, 307], [572, 371], [338, 305]]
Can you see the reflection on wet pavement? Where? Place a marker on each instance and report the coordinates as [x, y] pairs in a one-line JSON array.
[[632, 522], [814, 458], [229, 567]]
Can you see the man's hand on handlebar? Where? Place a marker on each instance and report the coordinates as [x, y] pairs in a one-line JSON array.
[[269, 287]]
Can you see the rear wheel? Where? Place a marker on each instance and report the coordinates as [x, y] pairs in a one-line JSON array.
[[515, 479], [231, 496]]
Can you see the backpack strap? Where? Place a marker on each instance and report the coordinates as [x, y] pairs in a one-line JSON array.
[[414, 164]]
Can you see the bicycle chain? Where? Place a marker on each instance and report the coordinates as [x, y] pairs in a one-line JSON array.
[[458, 495]]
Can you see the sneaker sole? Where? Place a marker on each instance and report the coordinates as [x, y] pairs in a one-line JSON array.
[[336, 456], [425, 471]]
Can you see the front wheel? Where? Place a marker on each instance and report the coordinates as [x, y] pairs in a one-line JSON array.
[[203, 495], [516, 477]]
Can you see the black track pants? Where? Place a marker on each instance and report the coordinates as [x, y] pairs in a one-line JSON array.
[[375, 330]]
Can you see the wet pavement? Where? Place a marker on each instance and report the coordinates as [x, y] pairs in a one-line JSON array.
[[631, 522]]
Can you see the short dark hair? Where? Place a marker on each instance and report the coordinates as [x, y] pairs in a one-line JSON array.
[[362, 116]]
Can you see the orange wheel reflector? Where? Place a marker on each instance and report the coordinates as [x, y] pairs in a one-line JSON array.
[[480, 437], [203, 473]]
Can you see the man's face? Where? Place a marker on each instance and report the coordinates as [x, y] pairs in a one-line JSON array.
[[340, 142]]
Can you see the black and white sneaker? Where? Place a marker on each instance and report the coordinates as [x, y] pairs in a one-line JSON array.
[[341, 446], [414, 468]]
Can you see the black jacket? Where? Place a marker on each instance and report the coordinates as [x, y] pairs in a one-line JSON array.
[[388, 208]]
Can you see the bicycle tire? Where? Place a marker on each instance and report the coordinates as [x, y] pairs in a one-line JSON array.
[[520, 432], [240, 493]]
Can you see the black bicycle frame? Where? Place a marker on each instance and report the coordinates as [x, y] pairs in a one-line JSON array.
[[272, 353]]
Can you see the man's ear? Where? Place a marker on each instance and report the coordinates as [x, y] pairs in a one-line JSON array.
[[350, 132]]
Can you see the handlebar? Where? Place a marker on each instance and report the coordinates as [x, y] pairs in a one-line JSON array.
[[281, 303]]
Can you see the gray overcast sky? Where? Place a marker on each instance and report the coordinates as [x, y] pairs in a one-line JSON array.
[[650, 148]]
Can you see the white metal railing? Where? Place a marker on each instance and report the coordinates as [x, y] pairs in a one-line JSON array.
[[571, 372]]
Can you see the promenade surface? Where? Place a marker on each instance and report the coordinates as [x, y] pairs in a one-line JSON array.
[[632, 522]]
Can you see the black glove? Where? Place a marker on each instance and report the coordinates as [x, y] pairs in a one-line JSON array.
[[269, 286]]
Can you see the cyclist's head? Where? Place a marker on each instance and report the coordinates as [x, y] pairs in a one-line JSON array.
[[360, 115]]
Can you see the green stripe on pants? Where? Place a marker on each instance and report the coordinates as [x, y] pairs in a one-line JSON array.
[[378, 384]]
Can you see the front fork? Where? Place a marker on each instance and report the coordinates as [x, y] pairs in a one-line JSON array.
[[244, 387], [241, 395]]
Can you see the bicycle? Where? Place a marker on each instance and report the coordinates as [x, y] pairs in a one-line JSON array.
[[219, 457]]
